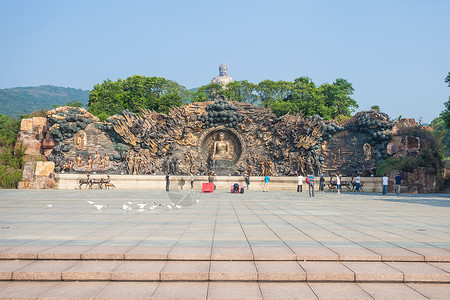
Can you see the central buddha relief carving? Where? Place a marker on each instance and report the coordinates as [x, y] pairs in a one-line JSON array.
[[221, 144], [221, 148]]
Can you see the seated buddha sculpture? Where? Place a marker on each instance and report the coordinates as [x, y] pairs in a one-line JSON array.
[[222, 148], [223, 79]]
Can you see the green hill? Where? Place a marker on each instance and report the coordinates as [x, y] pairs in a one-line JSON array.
[[23, 100]]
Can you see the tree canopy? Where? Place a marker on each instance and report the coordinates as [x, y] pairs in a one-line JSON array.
[[299, 96], [155, 93]]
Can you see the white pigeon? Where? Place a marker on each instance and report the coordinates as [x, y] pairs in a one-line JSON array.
[[153, 207], [126, 207], [130, 203], [90, 202], [100, 206], [197, 201], [169, 206], [49, 205], [140, 210], [178, 206], [142, 205]]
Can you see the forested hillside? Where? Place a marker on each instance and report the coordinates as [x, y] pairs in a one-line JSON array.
[[24, 100]]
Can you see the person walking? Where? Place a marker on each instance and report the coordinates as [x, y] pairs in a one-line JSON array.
[[192, 180], [247, 180], [167, 182], [338, 183], [322, 184], [300, 183], [311, 185], [398, 183], [358, 183], [385, 184], [266, 183]]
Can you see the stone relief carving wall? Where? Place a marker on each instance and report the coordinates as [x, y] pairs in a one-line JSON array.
[[220, 136]]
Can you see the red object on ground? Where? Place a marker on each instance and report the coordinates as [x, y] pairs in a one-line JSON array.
[[207, 187]]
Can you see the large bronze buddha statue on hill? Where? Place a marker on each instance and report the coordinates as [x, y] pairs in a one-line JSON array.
[[223, 79]]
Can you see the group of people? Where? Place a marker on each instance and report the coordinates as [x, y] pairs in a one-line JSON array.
[[309, 179]]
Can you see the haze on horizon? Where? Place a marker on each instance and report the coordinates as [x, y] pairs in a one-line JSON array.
[[395, 53]]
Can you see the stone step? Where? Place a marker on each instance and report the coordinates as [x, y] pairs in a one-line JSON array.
[[248, 271], [221, 290], [225, 253]]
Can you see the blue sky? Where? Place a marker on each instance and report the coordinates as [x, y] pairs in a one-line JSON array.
[[395, 53]]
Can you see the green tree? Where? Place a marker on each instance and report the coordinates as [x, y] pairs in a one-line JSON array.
[[442, 134], [337, 97], [207, 92], [445, 114], [75, 103], [134, 93], [241, 91], [9, 128], [11, 157]]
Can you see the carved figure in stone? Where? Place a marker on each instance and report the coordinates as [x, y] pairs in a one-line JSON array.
[[79, 161], [97, 158], [367, 151], [324, 150], [130, 162], [223, 79], [68, 165], [222, 148], [89, 163], [107, 161], [80, 140]]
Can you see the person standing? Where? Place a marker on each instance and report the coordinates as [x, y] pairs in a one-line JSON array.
[[300, 183], [338, 183], [398, 183], [247, 180], [358, 183], [311, 185], [266, 183], [322, 183], [385, 184], [167, 182], [192, 180]]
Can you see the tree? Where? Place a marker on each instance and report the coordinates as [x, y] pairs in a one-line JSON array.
[[134, 93], [442, 134], [375, 107], [9, 128], [207, 92], [11, 157], [241, 91], [75, 103], [445, 114], [337, 97]]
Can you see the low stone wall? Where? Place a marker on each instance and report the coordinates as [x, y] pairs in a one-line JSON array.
[[70, 181]]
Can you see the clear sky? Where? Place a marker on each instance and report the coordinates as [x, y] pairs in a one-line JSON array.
[[395, 53]]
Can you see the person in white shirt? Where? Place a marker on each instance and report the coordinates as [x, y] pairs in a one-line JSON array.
[[338, 183], [385, 184], [300, 183]]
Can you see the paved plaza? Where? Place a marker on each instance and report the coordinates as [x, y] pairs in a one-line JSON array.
[[275, 245], [254, 219]]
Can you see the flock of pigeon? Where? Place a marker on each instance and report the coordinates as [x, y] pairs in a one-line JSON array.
[[141, 207]]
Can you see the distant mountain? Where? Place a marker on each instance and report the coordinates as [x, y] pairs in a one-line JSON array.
[[24, 100]]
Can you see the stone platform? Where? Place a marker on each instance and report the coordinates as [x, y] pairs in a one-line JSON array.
[[279, 183], [275, 245]]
